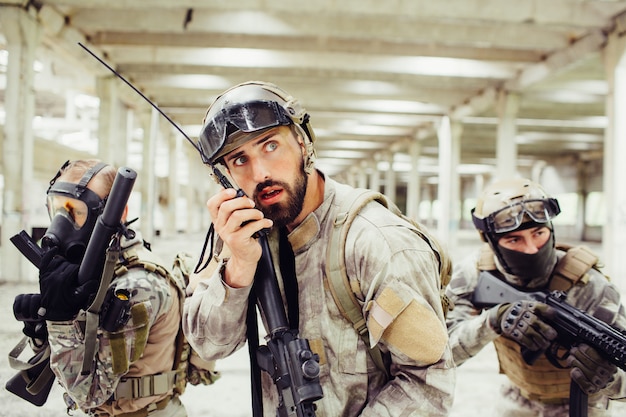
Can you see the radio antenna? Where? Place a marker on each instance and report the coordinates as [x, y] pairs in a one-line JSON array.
[[219, 176], [142, 95]]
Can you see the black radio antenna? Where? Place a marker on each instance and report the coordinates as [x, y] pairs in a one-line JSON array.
[[142, 95], [221, 178], [217, 174]]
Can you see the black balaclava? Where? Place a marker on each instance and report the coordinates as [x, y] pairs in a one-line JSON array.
[[528, 270]]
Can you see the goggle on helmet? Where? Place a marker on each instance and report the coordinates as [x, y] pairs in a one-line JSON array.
[[506, 205], [511, 217], [246, 108]]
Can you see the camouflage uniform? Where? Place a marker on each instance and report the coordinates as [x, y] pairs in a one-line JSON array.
[[397, 273], [145, 345], [470, 331]]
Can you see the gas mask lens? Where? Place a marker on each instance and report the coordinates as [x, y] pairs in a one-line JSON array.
[[246, 117], [76, 211], [512, 216]]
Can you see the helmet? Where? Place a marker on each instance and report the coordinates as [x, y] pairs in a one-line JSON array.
[[73, 210], [244, 111], [517, 204], [506, 205]]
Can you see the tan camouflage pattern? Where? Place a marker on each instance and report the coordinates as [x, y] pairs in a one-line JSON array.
[[470, 331], [192, 369], [94, 391], [386, 257]]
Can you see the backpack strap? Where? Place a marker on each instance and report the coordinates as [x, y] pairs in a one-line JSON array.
[[339, 284], [485, 258], [343, 289], [572, 267], [92, 317]]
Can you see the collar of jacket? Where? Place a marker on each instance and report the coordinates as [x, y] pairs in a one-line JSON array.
[[303, 236]]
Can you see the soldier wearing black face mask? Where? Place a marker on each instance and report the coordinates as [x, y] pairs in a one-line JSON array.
[[514, 219]]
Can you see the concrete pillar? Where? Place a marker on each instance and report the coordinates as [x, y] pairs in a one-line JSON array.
[[351, 177], [456, 129], [374, 176], [413, 186], [390, 177], [147, 184], [361, 177], [506, 148], [22, 35], [196, 191], [479, 185], [614, 231], [173, 182], [581, 191], [112, 122], [432, 194], [444, 136]]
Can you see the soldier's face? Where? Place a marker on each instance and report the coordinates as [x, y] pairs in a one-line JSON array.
[[270, 169], [527, 241]]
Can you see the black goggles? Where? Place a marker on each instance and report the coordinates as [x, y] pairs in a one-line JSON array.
[[245, 117], [511, 217]]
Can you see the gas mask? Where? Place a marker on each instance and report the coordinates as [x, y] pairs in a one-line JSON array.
[[73, 210]]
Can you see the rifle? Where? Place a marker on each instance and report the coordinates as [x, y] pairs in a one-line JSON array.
[[288, 359], [573, 327], [34, 380]]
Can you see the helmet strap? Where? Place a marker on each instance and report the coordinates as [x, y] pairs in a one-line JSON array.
[[305, 131]]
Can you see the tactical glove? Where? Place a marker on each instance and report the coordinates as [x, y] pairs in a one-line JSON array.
[[61, 295], [590, 371], [521, 321], [25, 307]]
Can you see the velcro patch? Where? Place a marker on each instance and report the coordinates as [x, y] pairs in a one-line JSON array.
[[410, 327], [139, 313], [118, 353]]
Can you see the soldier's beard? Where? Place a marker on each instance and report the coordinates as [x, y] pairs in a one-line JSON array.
[[284, 213]]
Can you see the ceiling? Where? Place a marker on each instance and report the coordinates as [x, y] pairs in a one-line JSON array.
[[372, 74]]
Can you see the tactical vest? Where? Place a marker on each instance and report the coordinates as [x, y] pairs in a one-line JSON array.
[[187, 366], [542, 381]]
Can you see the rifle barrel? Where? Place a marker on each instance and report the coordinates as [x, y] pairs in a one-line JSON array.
[[107, 225]]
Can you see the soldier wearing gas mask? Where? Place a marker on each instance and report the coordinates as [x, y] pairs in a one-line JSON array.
[[134, 370], [514, 219]]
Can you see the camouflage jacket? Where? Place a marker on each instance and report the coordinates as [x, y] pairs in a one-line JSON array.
[[145, 345], [396, 272], [470, 331]]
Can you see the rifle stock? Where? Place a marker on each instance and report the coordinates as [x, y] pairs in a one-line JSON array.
[[34, 380]]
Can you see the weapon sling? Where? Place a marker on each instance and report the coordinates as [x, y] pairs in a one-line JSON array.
[[92, 318]]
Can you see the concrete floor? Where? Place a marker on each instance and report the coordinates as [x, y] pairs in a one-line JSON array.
[[478, 379]]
